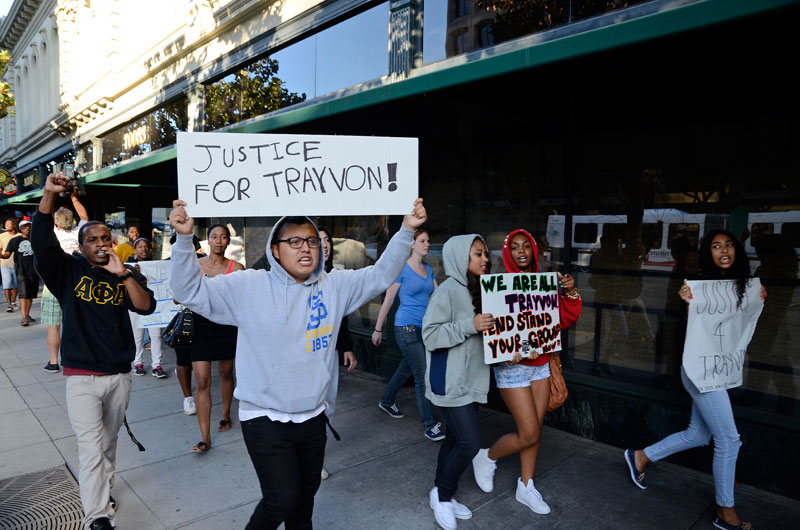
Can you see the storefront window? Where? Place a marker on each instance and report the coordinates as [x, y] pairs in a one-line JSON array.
[[351, 52], [453, 27], [30, 180], [152, 131], [84, 159]]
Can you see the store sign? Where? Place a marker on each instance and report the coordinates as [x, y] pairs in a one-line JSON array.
[[718, 332], [525, 310], [157, 275], [242, 175], [140, 135]]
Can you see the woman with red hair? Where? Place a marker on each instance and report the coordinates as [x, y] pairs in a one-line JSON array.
[[524, 384]]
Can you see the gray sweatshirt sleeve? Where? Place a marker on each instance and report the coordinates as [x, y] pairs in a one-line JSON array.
[[365, 284], [211, 297], [439, 330]]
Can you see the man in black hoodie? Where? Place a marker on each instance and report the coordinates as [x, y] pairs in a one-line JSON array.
[[95, 291]]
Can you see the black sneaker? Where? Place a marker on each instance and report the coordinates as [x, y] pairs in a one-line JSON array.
[[9, 309], [112, 503], [720, 523], [138, 369], [159, 372], [52, 368], [101, 523]]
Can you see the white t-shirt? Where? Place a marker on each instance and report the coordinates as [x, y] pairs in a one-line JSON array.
[[68, 239]]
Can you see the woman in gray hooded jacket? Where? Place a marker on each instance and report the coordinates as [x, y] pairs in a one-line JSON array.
[[457, 376]]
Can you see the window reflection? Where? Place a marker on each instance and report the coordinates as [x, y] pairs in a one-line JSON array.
[[152, 131], [453, 27], [350, 52]]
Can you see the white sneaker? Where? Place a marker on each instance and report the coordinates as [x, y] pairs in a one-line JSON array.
[[189, 408], [483, 468], [443, 512], [324, 475], [530, 497]]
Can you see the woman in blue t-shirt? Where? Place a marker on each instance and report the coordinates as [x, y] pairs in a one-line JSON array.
[[415, 285]]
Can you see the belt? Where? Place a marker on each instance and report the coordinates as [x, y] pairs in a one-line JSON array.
[[408, 329]]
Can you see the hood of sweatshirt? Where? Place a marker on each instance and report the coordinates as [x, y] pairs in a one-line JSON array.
[[508, 263], [455, 255], [276, 267]]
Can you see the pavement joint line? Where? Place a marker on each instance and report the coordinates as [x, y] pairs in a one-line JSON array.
[[368, 460], [118, 476], [212, 514]]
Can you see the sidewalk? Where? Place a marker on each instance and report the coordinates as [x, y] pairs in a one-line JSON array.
[[381, 471]]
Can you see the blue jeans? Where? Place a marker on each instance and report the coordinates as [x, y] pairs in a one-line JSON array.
[[458, 449], [412, 363], [712, 416]]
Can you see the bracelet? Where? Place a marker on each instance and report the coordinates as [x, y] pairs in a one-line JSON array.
[[574, 296], [379, 331]]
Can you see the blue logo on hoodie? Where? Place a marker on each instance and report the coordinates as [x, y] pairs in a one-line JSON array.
[[319, 311]]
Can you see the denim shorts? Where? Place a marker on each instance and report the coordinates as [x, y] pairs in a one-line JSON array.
[[9, 277], [519, 375]]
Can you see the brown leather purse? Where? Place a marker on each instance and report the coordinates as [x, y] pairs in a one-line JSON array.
[[558, 388]]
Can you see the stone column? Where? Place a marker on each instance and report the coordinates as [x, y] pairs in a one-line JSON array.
[[97, 153], [196, 111], [405, 37]]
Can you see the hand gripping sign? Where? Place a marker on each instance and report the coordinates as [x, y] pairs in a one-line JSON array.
[[525, 310], [251, 175], [718, 332]]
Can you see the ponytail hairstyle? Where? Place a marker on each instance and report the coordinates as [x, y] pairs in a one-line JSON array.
[[474, 286], [738, 271]]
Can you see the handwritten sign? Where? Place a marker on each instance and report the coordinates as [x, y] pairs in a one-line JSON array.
[[718, 332], [251, 175], [157, 275], [525, 307]]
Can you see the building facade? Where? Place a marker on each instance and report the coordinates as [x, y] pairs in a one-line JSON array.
[[634, 126]]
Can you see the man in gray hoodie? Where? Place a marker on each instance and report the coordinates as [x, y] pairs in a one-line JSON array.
[[288, 319]]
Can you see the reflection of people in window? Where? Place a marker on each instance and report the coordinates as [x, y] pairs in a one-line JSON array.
[[778, 273], [607, 283]]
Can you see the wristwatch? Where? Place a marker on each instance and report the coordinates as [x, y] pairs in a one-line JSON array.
[[125, 276]]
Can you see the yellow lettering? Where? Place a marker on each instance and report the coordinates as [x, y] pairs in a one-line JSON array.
[[313, 333], [103, 293], [119, 297], [84, 289]]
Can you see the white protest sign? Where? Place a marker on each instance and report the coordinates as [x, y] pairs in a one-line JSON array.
[[525, 308], [718, 332], [252, 175], [157, 275]]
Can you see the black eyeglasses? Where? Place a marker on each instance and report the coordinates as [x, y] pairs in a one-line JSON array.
[[297, 242]]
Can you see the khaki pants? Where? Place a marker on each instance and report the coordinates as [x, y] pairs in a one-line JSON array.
[[96, 406]]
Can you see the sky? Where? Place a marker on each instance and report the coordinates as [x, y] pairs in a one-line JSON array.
[[5, 5]]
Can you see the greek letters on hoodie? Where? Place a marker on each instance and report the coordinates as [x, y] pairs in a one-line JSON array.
[[287, 329]]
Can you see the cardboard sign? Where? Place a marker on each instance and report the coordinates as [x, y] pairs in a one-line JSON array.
[[251, 175], [157, 274], [525, 307], [718, 332]]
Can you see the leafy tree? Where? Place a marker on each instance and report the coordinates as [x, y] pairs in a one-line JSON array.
[[6, 97], [250, 92], [517, 18]]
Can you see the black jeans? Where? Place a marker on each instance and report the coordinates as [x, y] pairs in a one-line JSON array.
[[288, 460], [458, 449]]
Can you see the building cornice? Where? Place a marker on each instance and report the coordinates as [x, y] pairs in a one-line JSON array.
[[16, 22]]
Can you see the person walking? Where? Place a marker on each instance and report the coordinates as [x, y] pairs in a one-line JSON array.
[[67, 236], [414, 286], [457, 377], [9, 274], [524, 384], [96, 291], [213, 342], [142, 250], [722, 257], [284, 349], [27, 279]]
